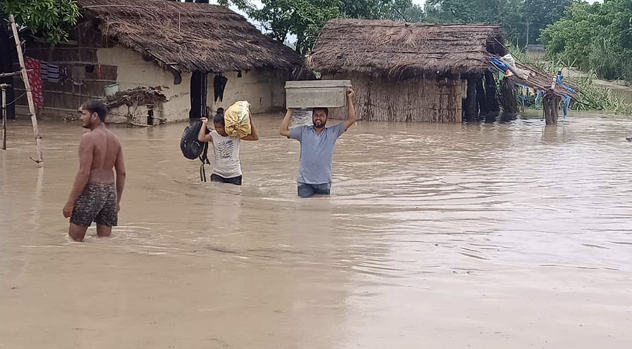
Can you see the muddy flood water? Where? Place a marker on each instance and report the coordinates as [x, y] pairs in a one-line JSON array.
[[435, 236]]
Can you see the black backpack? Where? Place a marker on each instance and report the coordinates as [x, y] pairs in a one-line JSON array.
[[194, 149]]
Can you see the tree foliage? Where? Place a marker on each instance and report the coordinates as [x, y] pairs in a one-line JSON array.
[[594, 37], [50, 19], [538, 14], [305, 18], [515, 16]]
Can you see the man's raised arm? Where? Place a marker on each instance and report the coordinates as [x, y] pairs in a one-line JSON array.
[[351, 115], [285, 124]]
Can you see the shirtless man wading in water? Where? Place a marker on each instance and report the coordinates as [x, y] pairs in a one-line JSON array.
[[94, 196]]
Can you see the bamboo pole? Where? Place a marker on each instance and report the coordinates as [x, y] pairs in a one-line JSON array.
[[4, 116], [4, 75], [29, 94]]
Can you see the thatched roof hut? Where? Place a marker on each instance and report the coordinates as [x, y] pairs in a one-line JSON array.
[[200, 56], [188, 37], [418, 71], [400, 49]]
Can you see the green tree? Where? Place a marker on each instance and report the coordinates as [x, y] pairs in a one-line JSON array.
[[414, 13], [305, 18], [502, 12], [537, 14], [594, 37], [452, 11], [516, 17], [378, 9], [49, 19]]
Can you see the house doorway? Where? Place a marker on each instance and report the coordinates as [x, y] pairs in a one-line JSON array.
[[198, 95]]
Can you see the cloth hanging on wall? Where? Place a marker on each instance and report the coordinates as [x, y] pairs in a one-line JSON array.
[[34, 74], [50, 72], [63, 75], [219, 84]]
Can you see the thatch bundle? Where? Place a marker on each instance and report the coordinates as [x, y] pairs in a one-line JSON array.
[[137, 96], [402, 50], [188, 37]]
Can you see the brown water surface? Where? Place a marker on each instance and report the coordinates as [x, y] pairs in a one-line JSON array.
[[436, 236]]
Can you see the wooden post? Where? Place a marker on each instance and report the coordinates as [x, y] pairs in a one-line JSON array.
[[548, 111], [491, 92], [29, 94], [551, 104], [4, 116], [481, 99], [4, 75], [471, 107], [508, 97]]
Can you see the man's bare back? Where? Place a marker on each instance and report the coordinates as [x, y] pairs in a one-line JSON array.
[[106, 149], [96, 193]]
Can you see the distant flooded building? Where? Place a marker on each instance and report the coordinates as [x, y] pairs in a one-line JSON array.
[[420, 72], [168, 61], [406, 71]]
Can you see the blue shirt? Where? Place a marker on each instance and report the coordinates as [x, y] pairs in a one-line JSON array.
[[317, 152]]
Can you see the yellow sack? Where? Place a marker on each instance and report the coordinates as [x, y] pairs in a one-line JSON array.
[[237, 119]]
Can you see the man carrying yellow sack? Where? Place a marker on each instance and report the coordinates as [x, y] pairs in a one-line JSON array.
[[230, 128]]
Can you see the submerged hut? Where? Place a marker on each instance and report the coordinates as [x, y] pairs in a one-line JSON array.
[[414, 71], [169, 61]]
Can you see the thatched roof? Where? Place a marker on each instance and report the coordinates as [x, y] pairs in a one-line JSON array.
[[401, 49], [188, 36]]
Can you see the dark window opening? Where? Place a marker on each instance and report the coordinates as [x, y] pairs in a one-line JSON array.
[[150, 115]]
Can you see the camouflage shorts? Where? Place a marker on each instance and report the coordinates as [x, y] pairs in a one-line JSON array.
[[97, 203]]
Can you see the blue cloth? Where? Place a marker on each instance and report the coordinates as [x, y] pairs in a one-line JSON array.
[[499, 64], [566, 100], [568, 88], [524, 99], [317, 152], [538, 98], [559, 79]]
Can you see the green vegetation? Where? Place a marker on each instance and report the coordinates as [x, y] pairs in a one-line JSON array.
[[592, 95], [596, 38], [305, 18], [521, 20], [49, 19]]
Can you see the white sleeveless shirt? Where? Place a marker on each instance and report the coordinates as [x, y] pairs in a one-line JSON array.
[[226, 151]]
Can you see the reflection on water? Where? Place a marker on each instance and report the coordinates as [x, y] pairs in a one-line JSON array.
[[504, 235]]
